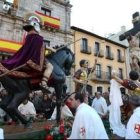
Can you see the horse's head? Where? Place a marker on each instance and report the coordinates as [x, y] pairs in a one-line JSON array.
[[69, 61], [64, 58]]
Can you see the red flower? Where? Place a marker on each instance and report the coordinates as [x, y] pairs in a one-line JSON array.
[[49, 137], [61, 129], [48, 127]]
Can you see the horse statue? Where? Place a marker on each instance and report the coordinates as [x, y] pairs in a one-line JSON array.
[[18, 89], [134, 51]]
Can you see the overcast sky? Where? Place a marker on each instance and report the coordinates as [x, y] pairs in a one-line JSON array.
[[103, 16]]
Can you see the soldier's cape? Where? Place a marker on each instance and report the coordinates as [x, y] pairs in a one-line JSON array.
[[31, 53]]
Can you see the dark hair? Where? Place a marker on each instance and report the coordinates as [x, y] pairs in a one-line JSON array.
[[135, 100], [82, 62], [79, 96], [134, 75]]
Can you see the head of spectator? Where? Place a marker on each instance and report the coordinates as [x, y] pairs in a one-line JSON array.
[[25, 101], [45, 97], [76, 99], [134, 101], [98, 94], [31, 96], [134, 75], [39, 93], [106, 94], [67, 100]]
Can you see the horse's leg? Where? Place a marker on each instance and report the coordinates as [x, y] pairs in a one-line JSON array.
[[19, 89], [5, 103], [18, 98], [59, 93]]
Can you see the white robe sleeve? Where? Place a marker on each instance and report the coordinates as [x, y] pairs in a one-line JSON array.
[[114, 112]]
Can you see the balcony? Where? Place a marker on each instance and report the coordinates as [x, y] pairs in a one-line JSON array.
[[100, 76], [110, 56], [121, 59], [86, 50], [48, 21], [101, 53]]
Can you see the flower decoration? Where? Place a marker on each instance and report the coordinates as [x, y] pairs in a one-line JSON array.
[[61, 130]]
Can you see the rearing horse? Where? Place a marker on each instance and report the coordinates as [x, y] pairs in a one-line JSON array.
[[62, 62], [18, 89]]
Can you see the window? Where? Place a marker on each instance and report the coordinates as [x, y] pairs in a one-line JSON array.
[[85, 44], [97, 48], [109, 69], [119, 54], [120, 73], [46, 11], [100, 89], [98, 71], [108, 51]]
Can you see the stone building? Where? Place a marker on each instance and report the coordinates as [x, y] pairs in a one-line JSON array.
[[53, 15]]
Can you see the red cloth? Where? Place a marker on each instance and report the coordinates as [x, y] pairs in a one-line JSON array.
[[129, 84]]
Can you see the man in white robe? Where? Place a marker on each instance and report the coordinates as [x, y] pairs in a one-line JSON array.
[[87, 123], [27, 109], [100, 105], [133, 125], [65, 110]]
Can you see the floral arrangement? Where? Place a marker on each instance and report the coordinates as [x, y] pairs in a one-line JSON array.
[[59, 131]]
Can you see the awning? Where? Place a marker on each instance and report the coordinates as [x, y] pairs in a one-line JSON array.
[[9, 46]]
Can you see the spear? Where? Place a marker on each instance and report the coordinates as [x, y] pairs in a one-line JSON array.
[[9, 71], [63, 46]]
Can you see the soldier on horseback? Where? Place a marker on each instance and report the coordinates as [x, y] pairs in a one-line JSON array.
[[31, 58]]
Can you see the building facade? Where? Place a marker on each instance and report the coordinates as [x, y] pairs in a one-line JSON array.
[[53, 16], [115, 38], [110, 56]]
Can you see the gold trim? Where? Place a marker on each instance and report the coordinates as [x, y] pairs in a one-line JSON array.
[[30, 63]]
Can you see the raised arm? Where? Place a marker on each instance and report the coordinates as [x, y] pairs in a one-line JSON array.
[[114, 76]]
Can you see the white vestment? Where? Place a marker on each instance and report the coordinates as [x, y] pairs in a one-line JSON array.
[[114, 110], [27, 109], [100, 106], [87, 124], [133, 125], [65, 112], [1, 134]]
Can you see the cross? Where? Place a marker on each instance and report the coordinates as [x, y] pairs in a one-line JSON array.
[[137, 128], [82, 131], [134, 30]]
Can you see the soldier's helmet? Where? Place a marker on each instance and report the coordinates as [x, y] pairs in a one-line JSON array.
[[32, 24]]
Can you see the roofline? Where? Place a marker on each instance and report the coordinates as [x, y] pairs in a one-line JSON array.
[[100, 37]]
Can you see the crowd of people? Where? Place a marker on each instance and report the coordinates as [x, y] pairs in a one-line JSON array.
[[42, 107]]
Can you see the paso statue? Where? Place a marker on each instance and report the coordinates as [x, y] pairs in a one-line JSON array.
[[31, 58]]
